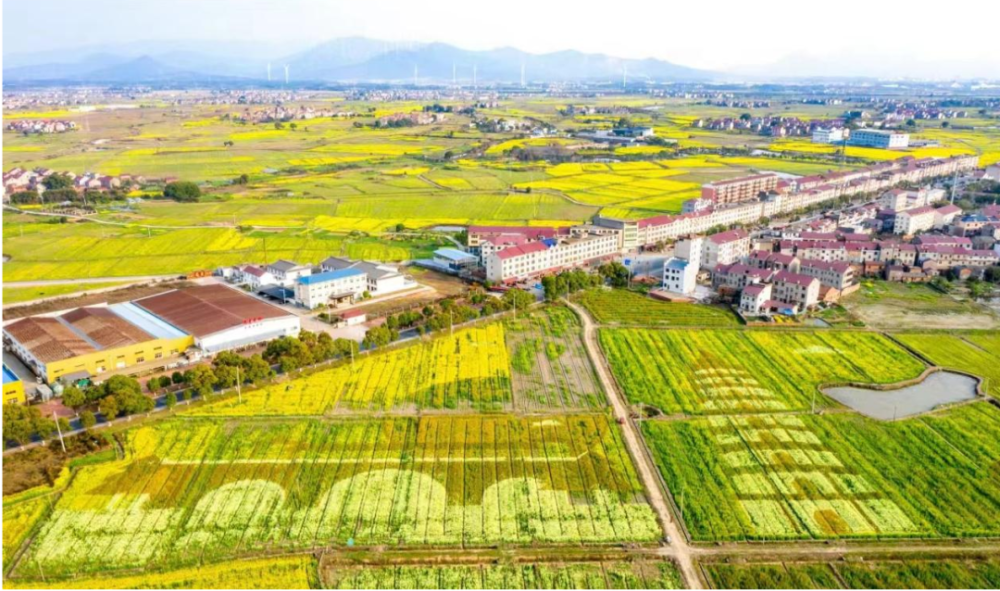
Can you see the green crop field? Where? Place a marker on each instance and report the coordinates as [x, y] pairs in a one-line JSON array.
[[535, 362], [975, 353], [841, 475], [631, 309], [606, 575], [869, 574], [193, 490], [719, 371], [14, 295]]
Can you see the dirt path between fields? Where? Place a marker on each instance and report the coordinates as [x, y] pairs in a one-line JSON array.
[[679, 549]]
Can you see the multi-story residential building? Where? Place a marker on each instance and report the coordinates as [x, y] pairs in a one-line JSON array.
[[549, 256], [254, 276], [754, 299], [680, 272], [926, 240], [775, 261], [287, 273], [737, 276], [946, 257], [829, 135], [879, 138], [328, 287], [916, 220], [835, 275], [725, 248], [381, 279], [741, 189], [795, 288]]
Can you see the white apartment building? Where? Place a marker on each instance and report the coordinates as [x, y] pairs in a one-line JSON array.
[[833, 135], [725, 248], [313, 291], [539, 258], [286, 273], [879, 138], [795, 288], [911, 221], [680, 272], [753, 299]]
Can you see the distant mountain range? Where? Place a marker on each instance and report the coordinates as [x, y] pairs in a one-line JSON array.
[[353, 59]]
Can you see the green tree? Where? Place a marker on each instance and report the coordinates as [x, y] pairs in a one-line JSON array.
[[87, 419], [518, 298], [170, 400], [256, 370], [57, 181], [201, 379], [109, 407], [177, 377], [182, 191], [73, 397], [20, 422], [379, 336], [64, 425]]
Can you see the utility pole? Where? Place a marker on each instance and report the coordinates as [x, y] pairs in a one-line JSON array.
[[954, 187], [451, 322], [59, 430]]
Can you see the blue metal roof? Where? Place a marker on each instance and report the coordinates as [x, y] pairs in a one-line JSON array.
[[8, 376], [453, 254], [329, 276]]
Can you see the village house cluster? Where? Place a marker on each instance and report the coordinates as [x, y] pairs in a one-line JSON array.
[[773, 126], [511, 254], [18, 179], [413, 118], [281, 113], [28, 126]]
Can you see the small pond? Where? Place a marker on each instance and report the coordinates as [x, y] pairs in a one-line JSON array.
[[942, 387]]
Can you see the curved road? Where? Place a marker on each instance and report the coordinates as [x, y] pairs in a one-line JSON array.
[[680, 550]]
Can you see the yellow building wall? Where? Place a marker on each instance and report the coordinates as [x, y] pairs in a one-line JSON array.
[[101, 362], [13, 392]]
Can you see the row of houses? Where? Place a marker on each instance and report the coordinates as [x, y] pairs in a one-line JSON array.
[[741, 202], [19, 179], [27, 126], [335, 281]]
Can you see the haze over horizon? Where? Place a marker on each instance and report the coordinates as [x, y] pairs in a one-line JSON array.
[[885, 39]]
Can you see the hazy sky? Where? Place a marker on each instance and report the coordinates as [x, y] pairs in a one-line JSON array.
[[701, 33]]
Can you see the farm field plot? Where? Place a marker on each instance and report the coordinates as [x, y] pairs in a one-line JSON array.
[[899, 306], [80, 251], [14, 295], [549, 365], [709, 371], [628, 308], [19, 517], [833, 476], [598, 575], [296, 572], [870, 574], [196, 490], [469, 369], [977, 354]]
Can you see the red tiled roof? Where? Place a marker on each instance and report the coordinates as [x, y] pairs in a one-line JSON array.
[[208, 309], [516, 251], [48, 339], [729, 236], [796, 278]]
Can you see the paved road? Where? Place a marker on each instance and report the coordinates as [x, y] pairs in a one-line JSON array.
[[679, 549]]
